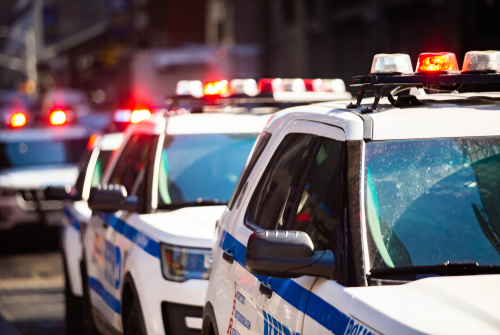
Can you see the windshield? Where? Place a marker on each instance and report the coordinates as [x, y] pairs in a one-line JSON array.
[[201, 167], [31, 153], [432, 201]]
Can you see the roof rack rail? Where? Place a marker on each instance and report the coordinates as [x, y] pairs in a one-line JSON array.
[[377, 82]]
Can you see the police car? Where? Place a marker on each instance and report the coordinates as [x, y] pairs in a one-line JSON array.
[[147, 247], [36, 151], [76, 212], [379, 218]]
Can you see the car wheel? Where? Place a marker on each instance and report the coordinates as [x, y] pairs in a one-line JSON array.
[[89, 327], [133, 323], [74, 307]]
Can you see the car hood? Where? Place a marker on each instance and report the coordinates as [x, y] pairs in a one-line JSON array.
[[39, 176], [439, 305], [189, 226]]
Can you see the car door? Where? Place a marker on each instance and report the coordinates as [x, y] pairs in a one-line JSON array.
[[274, 200], [105, 272]]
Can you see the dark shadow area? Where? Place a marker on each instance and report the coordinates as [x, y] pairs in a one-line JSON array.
[[29, 239]]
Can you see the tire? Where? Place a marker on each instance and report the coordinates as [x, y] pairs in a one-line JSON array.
[[89, 327], [133, 322], [74, 307]]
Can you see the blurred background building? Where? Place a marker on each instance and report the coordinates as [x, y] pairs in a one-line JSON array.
[[114, 49]]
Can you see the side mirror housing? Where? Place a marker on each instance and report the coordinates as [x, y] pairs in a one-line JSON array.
[[60, 193], [287, 254], [112, 198]]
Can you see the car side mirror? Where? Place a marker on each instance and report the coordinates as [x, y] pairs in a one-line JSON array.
[[60, 193], [112, 198], [287, 254]]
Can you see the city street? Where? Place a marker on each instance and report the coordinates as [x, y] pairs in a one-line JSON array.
[[32, 290]]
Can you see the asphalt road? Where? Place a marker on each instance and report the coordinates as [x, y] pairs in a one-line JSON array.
[[32, 284]]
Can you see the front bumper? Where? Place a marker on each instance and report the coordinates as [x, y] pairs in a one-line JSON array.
[[27, 207], [181, 319]]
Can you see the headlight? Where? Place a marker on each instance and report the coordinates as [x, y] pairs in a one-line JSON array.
[[181, 263]]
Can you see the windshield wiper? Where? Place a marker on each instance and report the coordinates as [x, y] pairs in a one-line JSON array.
[[448, 268], [207, 202]]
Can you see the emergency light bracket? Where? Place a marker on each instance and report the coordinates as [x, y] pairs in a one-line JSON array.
[[377, 82], [361, 94]]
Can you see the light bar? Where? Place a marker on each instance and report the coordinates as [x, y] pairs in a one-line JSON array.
[[481, 61], [244, 86], [190, 87], [294, 85], [139, 115], [216, 88], [271, 85], [314, 85], [18, 120], [58, 117], [436, 63], [334, 85], [391, 64]]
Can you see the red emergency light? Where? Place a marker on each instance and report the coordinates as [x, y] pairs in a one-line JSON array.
[[139, 115], [58, 117], [18, 120], [314, 85], [271, 85], [91, 142], [436, 62], [216, 87]]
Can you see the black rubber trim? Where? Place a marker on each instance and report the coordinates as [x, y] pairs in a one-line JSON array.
[[209, 320], [367, 125]]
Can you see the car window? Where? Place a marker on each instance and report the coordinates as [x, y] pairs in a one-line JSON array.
[[82, 170], [131, 167], [268, 201], [196, 168], [31, 153], [100, 165], [321, 202], [259, 148]]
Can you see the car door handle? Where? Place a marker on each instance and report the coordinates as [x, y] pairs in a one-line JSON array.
[[228, 256], [266, 289]]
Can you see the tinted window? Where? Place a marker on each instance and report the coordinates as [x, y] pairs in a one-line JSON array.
[[201, 167], [131, 167], [320, 205], [268, 201], [31, 153], [259, 147]]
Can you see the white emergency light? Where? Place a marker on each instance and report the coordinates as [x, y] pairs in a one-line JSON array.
[[190, 87], [244, 86], [392, 63], [482, 61]]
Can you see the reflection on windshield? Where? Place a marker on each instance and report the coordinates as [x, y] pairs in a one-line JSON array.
[[433, 201], [201, 167], [30, 153]]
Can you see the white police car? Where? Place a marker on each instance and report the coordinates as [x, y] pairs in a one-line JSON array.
[[75, 212], [147, 247], [34, 155], [361, 220]]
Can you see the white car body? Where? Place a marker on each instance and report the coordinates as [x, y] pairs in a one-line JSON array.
[[77, 212], [15, 208], [315, 305], [122, 249]]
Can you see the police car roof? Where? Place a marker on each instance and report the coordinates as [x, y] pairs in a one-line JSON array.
[[44, 133], [441, 116]]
